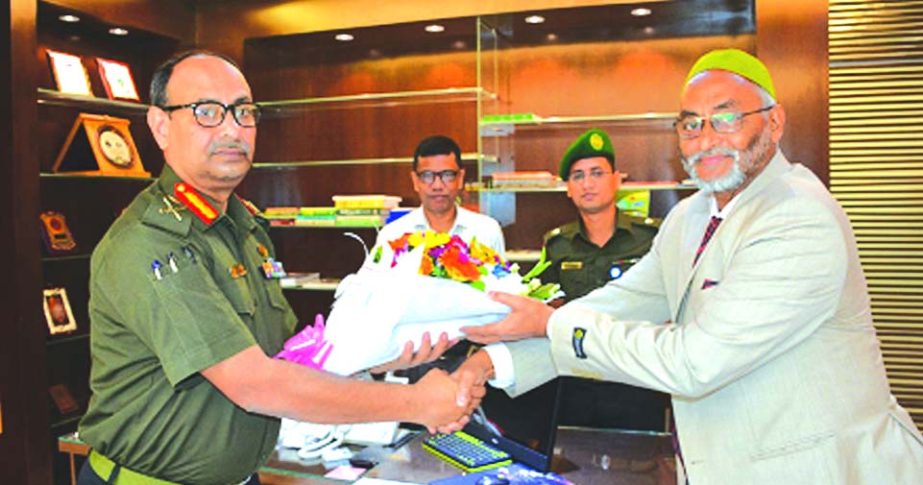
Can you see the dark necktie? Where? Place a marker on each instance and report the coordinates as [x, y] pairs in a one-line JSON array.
[[709, 232]]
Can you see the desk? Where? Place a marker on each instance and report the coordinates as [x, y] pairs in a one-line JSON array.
[[602, 457]]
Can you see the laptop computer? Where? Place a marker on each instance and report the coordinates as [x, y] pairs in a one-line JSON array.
[[525, 426]]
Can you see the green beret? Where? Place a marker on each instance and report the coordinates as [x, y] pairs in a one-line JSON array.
[[593, 143], [737, 62]]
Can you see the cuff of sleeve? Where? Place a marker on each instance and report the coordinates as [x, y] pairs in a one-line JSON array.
[[502, 359]]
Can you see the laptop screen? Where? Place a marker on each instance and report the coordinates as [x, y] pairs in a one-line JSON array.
[[524, 427]]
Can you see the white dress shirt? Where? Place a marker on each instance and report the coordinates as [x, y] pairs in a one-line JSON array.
[[468, 225]]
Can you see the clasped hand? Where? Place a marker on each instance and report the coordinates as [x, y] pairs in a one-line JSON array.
[[527, 318]]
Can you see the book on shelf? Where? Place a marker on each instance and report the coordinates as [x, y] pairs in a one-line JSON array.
[[361, 221], [368, 201]]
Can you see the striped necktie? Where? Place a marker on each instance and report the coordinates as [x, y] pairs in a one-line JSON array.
[[709, 232]]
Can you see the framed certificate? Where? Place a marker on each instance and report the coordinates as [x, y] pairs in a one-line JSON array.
[[117, 79], [69, 73], [58, 312]]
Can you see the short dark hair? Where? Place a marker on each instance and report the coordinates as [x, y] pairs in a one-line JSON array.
[[436, 145], [164, 72]]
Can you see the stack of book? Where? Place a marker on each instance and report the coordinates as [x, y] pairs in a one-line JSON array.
[[301, 216], [364, 210]]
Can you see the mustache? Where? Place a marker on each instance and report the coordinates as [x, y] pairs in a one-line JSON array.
[[695, 158], [230, 145]]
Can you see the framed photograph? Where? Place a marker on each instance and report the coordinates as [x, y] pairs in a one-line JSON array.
[[69, 73], [117, 79], [58, 312], [63, 399]]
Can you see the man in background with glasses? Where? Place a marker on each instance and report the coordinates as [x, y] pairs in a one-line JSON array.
[[438, 178], [184, 320], [751, 310], [586, 254]]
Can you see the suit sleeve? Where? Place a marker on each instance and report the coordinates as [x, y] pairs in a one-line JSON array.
[[782, 283]]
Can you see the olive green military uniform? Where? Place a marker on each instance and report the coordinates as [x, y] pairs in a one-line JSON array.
[[173, 293], [581, 266]]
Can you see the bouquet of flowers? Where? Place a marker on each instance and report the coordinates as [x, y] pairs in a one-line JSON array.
[[420, 282]]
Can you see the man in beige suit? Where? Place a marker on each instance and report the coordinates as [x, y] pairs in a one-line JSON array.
[[751, 310]]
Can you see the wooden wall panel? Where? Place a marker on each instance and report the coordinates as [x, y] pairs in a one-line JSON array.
[[172, 18], [792, 41], [24, 456]]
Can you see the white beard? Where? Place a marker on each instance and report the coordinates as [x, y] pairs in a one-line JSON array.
[[744, 161]]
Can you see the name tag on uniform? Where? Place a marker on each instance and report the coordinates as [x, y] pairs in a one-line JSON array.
[[568, 265]]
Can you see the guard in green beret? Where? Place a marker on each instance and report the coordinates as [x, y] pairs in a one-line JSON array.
[[586, 254]]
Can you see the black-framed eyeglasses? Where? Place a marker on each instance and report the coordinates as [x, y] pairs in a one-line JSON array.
[[429, 176], [727, 122], [595, 174], [210, 114]]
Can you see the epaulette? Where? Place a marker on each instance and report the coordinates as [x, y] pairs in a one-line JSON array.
[[196, 204], [250, 206], [551, 234]]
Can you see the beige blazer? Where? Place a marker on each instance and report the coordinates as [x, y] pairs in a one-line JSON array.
[[772, 359]]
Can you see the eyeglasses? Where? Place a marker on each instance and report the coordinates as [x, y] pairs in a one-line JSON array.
[[428, 176], [210, 114], [728, 122], [596, 174]]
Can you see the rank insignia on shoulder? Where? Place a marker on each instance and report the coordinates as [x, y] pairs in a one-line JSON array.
[[172, 206], [571, 265], [577, 341], [250, 206], [194, 201]]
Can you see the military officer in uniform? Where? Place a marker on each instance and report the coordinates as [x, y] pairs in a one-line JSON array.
[[585, 255], [184, 320]]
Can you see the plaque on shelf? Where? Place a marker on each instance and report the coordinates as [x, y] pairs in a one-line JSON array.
[[117, 79], [63, 399], [55, 233], [69, 73], [58, 312], [100, 145]]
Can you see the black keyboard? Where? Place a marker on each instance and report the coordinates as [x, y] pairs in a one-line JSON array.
[[466, 452]]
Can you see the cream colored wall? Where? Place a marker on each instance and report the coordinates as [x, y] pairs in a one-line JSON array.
[[222, 26]]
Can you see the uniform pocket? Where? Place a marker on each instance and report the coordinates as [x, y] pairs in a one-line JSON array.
[[237, 291]]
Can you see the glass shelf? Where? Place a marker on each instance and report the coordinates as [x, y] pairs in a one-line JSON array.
[[641, 120], [523, 255], [68, 257], [358, 161], [350, 228], [57, 98], [625, 187], [281, 108], [66, 421], [73, 176], [323, 284], [66, 339]]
